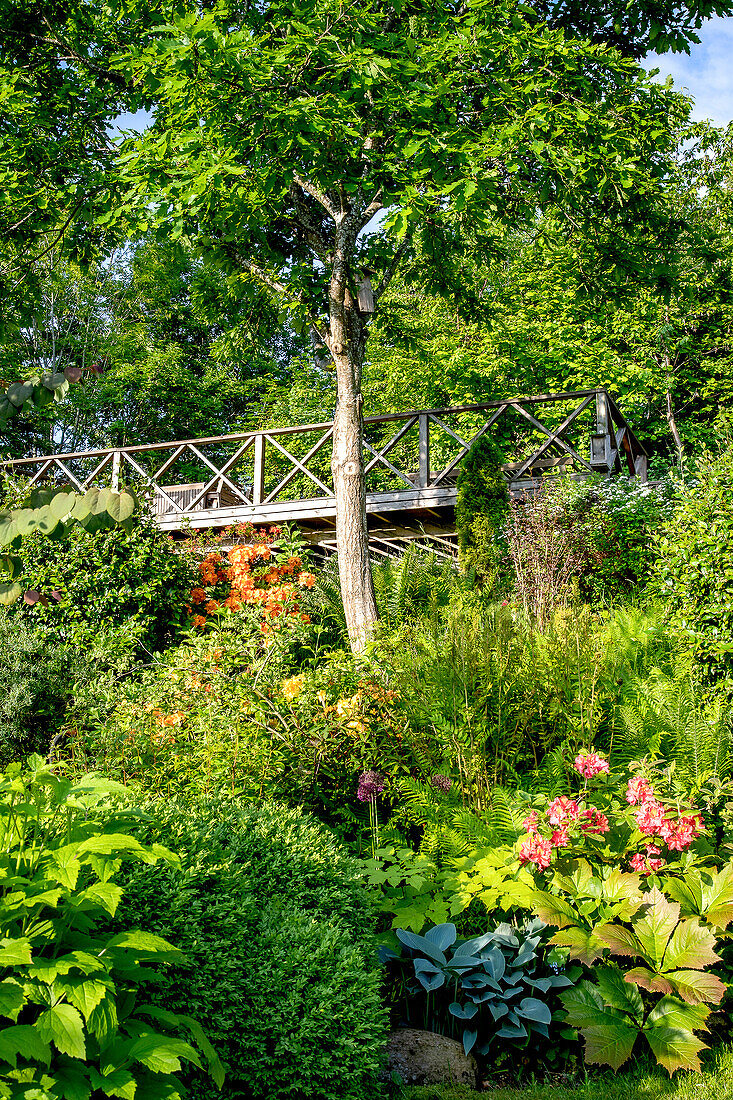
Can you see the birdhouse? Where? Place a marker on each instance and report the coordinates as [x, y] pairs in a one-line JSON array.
[[365, 296]]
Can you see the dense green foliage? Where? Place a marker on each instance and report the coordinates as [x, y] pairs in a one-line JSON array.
[[276, 929], [481, 507], [38, 678], [128, 583], [73, 1023]]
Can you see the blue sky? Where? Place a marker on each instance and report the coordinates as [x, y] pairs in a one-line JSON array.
[[707, 74]]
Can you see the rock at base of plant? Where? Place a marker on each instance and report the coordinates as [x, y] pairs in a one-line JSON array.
[[426, 1058]]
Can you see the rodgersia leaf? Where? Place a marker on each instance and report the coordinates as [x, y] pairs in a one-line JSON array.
[[691, 946], [674, 1048], [656, 924]]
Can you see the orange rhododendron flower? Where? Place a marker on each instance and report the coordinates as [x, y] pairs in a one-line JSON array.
[[199, 620], [197, 595], [306, 580], [212, 605]]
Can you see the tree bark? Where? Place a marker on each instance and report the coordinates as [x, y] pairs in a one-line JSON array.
[[347, 344], [672, 423]]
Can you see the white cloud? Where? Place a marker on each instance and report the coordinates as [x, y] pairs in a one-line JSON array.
[[707, 73]]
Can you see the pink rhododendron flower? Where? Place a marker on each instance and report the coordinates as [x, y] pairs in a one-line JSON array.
[[638, 790], [530, 822], [646, 864], [593, 821], [650, 817], [559, 838], [536, 850], [679, 835], [561, 810], [590, 764]]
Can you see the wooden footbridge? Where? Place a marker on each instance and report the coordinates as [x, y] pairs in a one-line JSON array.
[[412, 460]]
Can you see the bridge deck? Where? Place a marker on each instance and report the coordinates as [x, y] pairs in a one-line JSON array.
[[412, 460]]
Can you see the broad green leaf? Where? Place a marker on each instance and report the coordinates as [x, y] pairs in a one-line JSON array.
[[144, 943], [691, 945], [675, 1049], [10, 593], [622, 941], [15, 952], [11, 998], [177, 1020], [61, 504], [63, 1026], [717, 898], [26, 1040], [617, 992], [610, 1044], [697, 986], [553, 910], [119, 1082], [70, 1082], [584, 946], [161, 1054], [83, 993], [102, 1022], [669, 1012], [648, 979], [120, 506], [655, 925]]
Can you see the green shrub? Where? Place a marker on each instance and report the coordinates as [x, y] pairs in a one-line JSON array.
[[694, 568], [276, 928], [70, 1022], [37, 678], [481, 508], [129, 579]]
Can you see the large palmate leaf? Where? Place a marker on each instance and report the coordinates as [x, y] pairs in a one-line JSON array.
[[691, 945], [584, 946], [655, 926], [609, 1033], [553, 910], [670, 1030], [617, 992], [717, 897]]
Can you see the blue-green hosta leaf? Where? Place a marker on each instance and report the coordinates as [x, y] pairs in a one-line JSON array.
[[618, 993], [421, 944], [494, 963], [11, 998], [428, 974], [474, 946], [498, 1009], [25, 1040], [532, 1009], [442, 935], [62, 1025], [469, 1040], [462, 1012], [512, 1031]]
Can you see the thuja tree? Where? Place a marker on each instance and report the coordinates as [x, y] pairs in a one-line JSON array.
[[283, 130]]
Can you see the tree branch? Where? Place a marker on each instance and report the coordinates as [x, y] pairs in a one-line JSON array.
[[389, 273], [320, 196]]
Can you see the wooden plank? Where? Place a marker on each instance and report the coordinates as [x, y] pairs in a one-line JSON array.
[[296, 461], [559, 442], [556, 437]]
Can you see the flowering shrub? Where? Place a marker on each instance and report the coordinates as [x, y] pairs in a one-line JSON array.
[[642, 820], [265, 574]]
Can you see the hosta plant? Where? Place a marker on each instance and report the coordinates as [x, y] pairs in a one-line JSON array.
[[492, 987], [73, 1023]]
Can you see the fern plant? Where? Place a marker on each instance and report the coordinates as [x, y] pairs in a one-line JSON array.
[[668, 717]]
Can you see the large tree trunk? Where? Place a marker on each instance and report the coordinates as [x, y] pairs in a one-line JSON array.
[[347, 465]]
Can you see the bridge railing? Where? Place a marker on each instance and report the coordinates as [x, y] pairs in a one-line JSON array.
[[543, 436]]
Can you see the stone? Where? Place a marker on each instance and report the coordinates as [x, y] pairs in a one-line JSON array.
[[426, 1058]]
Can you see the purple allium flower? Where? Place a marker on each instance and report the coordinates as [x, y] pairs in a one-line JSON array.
[[441, 782], [370, 785]]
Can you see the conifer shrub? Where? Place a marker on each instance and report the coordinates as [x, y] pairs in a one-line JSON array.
[[481, 509], [276, 928]]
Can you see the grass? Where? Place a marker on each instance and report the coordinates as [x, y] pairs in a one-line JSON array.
[[714, 1083]]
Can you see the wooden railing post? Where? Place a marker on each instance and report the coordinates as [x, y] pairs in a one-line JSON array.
[[423, 474], [601, 450], [258, 482], [116, 472]]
